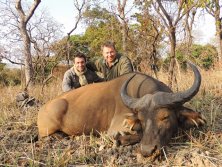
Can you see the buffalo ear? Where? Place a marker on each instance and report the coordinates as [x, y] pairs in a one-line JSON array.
[[132, 122], [188, 118]]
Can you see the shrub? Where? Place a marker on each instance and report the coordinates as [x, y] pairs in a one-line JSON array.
[[203, 55], [10, 77]]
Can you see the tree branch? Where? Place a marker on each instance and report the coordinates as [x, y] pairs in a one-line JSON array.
[[11, 61], [79, 9], [165, 13], [162, 17], [32, 10]]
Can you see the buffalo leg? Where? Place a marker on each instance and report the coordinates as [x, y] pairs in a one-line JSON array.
[[50, 117]]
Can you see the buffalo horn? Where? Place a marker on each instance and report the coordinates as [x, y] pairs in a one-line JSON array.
[[131, 102], [164, 98]]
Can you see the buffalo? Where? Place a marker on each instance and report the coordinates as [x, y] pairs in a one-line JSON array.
[[133, 108]]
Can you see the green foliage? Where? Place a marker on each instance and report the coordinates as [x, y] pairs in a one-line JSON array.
[[103, 26], [143, 37], [78, 44], [95, 36], [97, 15], [10, 77], [203, 55], [207, 56]]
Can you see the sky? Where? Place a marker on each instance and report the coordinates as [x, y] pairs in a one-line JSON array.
[[205, 29], [63, 11]]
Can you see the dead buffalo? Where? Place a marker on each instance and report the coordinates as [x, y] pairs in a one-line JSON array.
[[136, 106]]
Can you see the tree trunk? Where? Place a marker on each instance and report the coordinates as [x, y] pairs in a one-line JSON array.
[[171, 75], [121, 10], [215, 12], [219, 37], [189, 21], [23, 21], [29, 71], [171, 21], [124, 36]]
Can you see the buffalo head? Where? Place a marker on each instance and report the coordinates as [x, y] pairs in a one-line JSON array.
[[162, 113]]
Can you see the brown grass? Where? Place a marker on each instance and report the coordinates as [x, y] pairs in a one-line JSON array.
[[196, 147]]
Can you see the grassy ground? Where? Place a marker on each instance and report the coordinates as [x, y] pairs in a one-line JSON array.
[[195, 147]]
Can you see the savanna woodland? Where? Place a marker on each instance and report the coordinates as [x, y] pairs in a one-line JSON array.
[[159, 36]]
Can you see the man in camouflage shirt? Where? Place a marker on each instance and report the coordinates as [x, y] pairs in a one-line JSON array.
[[112, 64], [79, 75]]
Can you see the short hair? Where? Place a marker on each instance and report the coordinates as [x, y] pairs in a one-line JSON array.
[[108, 44], [80, 55]]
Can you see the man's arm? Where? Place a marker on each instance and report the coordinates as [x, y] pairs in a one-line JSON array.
[[97, 78], [66, 82], [91, 66], [96, 65], [125, 65]]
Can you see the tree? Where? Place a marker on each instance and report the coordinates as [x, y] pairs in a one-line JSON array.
[[77, 43], [213, 7], [24, 18], [102, 25], [33, 31], [145, 36], [202, 55], [188, 22], [171, 13], [80, 7]]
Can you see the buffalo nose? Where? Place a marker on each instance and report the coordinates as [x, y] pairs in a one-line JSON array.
[[147, 150]]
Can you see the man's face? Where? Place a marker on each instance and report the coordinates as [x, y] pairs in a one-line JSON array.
[[109, 54], [80, 64]]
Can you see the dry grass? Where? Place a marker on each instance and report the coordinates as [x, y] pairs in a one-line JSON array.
[[196, 147]]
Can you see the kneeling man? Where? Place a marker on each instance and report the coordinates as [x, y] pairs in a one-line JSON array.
[[79, 75]]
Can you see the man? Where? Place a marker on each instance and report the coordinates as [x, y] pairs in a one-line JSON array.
[[79, 75], [112, 64]]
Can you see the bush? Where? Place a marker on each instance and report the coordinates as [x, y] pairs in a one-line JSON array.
[[10, 77], [203, 55]]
